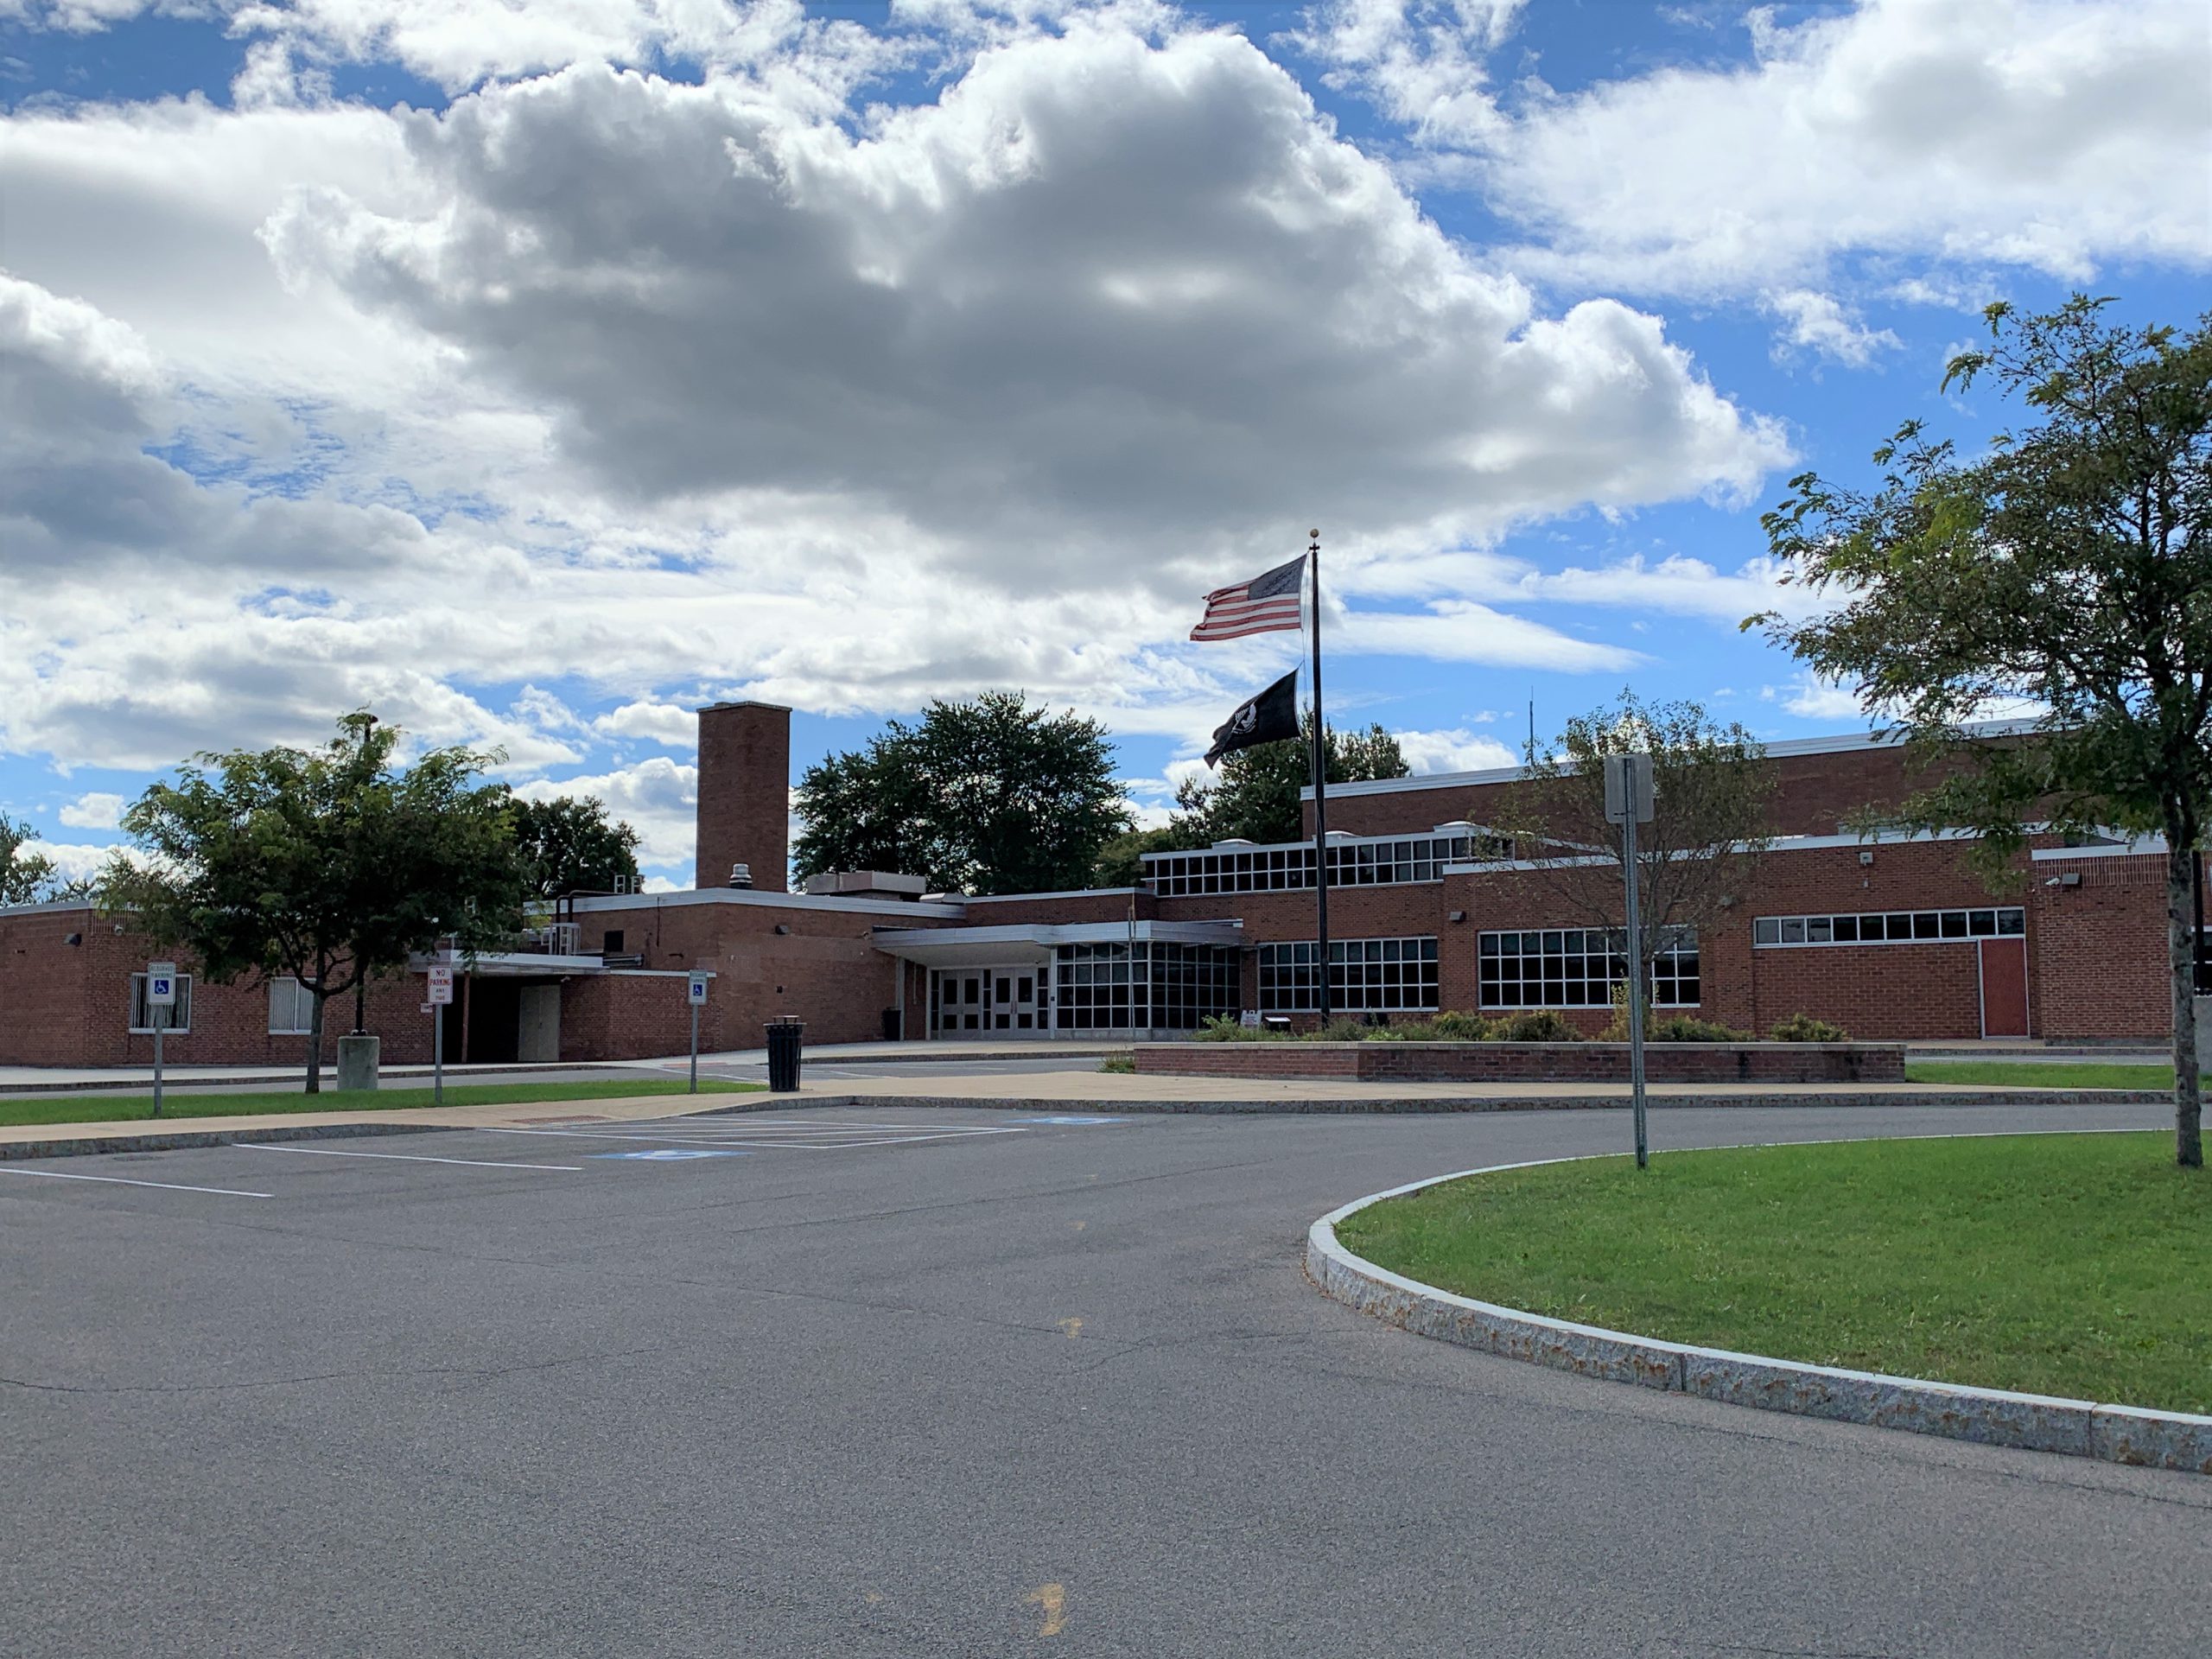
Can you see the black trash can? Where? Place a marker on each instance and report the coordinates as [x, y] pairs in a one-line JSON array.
[[783, 1054], [894, 1025]]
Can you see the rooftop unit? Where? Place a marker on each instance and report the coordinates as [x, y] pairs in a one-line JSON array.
[[876, 884]]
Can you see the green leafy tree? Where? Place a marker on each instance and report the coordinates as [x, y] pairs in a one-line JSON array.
[[1121, 861], [327, 864], [1710, 823], [27, 875], [1257, 794], [991, 795], [569, 844], [2069, 568]]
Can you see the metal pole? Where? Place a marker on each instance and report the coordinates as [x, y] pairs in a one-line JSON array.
[[1320, 793], [1634, 982], [695, 1047], [161, 1024], [438, 1053]]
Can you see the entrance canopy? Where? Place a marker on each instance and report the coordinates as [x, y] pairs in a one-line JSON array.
[[1035, 942]]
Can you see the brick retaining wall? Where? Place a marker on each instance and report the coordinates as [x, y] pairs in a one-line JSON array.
[[1530, 1062]]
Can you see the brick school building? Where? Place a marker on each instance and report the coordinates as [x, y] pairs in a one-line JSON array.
[[1889, 937]]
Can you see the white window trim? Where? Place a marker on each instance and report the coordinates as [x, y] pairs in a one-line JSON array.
[[1938, 937], [297, 984], [183, 1005]]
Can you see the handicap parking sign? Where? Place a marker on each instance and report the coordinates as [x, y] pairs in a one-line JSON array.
[[670, 1154]]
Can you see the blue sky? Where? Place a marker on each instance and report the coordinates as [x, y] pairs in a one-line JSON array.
[[530, 377]]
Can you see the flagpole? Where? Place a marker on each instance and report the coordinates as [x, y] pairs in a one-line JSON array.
[[1320, 794]]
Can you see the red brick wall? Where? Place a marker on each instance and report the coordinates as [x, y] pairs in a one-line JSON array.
[[826, 969], [1530, 1062], [745, 774], [1104, 907], [2100, 967], [69, 1005]]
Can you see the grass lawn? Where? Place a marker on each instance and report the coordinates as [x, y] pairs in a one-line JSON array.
[[2065, 1264], [19, 1110], [2040, 1074]]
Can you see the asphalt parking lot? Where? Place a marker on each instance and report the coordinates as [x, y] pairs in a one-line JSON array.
[[906, 1382]]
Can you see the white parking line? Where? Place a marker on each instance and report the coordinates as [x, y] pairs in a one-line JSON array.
[[400, 1157], [870, 1137], [119, 1180]]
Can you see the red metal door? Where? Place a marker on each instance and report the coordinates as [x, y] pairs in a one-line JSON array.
[[2004, 988]]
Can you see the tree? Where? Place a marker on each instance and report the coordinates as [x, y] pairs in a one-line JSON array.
[[569, 844], [1696, 857], [325, 864], [26, 876], [2070, 569], [1121, 861], [1258, 794], [988, 796]]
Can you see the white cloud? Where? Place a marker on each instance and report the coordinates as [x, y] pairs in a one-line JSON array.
[[1454, 750], [657, 797], [666, 723], [1819, 324], [2055, 135], [95, 810], [640, 387], [1811, 697], [1423, 62]]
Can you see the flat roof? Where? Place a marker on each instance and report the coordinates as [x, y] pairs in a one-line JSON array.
[[770, 900], [1843, 743]]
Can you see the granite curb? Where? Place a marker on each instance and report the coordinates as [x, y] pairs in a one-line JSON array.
[[2032, 1422]]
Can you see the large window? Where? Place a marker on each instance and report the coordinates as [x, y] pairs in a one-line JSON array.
[[1373, 862], [1891, 927], [1365, 977], [174, 1019], [1157, 987], [1577, 968], [291, 1008]]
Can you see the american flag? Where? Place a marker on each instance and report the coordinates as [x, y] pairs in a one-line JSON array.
[[1264, 605]]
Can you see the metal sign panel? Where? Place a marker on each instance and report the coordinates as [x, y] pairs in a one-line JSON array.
[[160, 984], [1628, 788], [440, 984], [698, 988]]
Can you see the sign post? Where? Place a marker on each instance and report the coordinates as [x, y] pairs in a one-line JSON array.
[[1629, 802], [441, 998], [696, 991], [160, 997]]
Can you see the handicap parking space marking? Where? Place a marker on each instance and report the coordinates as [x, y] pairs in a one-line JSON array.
[[672, 1155], [1071, 1118]]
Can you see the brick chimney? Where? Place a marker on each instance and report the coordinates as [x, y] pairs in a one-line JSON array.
[[745, 774]]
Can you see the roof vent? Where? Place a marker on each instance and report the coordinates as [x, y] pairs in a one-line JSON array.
[[740, 875], [1236, 840]]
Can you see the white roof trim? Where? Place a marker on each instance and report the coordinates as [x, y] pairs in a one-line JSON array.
[[618, 901], [52, 907], [1843, 743], [2141, 847], [1064, 892]]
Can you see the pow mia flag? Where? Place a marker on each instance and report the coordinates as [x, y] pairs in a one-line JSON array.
[[1268, 718]]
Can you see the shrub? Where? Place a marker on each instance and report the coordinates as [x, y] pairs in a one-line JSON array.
[[1121, 1062], [1539, 1025], [1228, 1028], [1344, 1028], [1453, 1026], [1804, 1028], [1689, 1029]]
